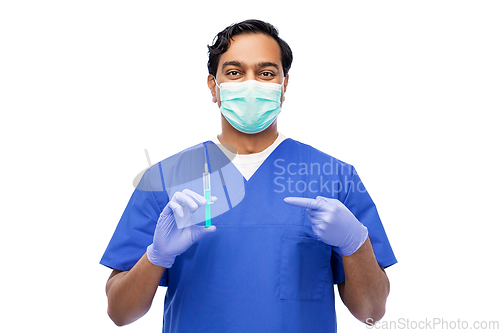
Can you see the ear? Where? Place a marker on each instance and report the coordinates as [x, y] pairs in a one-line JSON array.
[[212, 87], [285, 83]]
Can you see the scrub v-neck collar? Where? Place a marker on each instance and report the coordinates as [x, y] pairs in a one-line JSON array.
[[250, 158]]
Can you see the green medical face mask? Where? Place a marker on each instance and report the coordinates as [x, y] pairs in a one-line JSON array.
[[250, 106]]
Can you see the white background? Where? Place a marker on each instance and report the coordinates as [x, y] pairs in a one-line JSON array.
[[406, 91]]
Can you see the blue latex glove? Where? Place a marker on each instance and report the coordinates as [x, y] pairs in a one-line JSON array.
[[168, 240], [333, 223]]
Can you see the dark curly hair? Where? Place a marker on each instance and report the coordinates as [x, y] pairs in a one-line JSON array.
[[222, 41]]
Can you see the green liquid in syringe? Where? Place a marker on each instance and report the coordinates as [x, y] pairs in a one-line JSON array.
[[208, 218]]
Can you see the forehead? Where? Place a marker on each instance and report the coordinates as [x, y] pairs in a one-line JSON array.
[[252, 49]]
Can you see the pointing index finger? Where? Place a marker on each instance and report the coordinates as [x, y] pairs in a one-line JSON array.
[[302, 202]]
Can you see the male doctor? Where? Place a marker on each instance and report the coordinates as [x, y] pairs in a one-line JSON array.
[[270, 262]]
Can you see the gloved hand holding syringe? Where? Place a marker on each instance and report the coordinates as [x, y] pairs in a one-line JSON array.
[[169, 241]]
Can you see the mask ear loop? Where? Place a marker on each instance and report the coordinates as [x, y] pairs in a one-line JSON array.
[[218, 85]]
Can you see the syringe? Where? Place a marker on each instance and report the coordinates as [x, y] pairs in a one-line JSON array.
[[206, 190]]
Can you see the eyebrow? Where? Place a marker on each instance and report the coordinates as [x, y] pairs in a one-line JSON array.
[[268, 64], [259, 65], [232, 63]]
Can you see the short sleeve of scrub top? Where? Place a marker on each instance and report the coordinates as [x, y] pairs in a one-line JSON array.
[[135, 230], [361, 205], [356, 198]]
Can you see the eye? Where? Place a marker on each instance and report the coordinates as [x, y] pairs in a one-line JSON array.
[[232, 73], [267, 74]]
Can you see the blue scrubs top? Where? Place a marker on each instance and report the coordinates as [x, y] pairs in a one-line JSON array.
[[263, 270]]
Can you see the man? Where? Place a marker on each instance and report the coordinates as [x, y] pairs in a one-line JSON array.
[[289, 221]]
